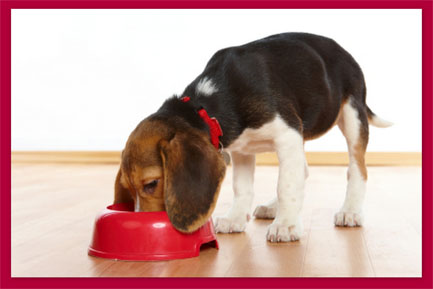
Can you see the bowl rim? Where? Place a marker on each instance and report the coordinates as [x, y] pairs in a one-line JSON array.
[[112, 208]]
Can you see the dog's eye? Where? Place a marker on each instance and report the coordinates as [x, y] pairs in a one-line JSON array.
[[149, 188]]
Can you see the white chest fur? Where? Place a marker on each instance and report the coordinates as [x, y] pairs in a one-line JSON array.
[[259, 140]]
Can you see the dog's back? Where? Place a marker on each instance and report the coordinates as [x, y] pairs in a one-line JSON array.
[[303, 77]]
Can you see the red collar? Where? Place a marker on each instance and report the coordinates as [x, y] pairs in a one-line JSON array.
[[213, 124]]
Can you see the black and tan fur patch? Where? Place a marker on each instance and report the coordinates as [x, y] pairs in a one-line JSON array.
[[193, 172]]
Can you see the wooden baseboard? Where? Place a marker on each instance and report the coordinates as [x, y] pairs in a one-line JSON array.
[[342, 159], [80, 157], [313, 158]]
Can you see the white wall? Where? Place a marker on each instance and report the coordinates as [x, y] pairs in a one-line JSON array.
[[83, 79]]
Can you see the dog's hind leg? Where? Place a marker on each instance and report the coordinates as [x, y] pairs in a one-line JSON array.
[[266, 211], [353, 123], [243, 179]]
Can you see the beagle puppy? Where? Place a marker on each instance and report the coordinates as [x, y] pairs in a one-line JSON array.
[[272, 94]]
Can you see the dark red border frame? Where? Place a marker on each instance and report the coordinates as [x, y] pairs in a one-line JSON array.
[[5, 156]]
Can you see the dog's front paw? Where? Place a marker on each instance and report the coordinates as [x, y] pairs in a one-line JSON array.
[[347, 219], [230, 225], [265, 212], [281, 232]]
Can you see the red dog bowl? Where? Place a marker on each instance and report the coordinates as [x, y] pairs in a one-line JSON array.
[[119, 233]]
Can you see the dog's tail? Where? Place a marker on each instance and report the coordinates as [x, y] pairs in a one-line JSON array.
[[376, 121]]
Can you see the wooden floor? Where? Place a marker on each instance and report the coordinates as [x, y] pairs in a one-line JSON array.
[[53, 208]]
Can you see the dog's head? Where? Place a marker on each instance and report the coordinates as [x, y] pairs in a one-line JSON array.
[[168, 165]]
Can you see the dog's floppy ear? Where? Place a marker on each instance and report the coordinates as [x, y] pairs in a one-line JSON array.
[[121, 194], [193, 172]]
